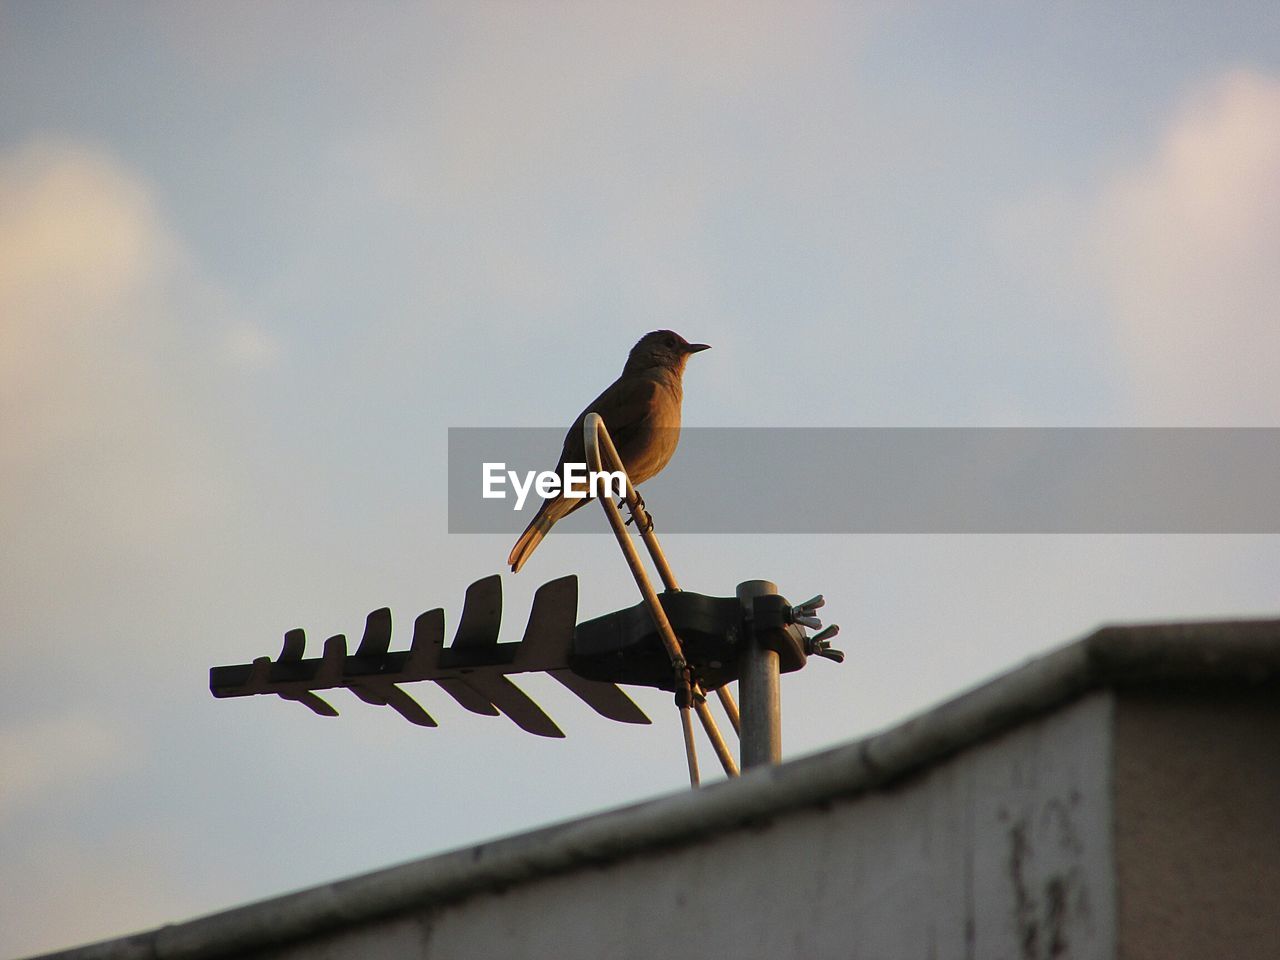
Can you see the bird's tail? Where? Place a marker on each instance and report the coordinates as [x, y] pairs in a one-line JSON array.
[[541, 524], [532, 536]]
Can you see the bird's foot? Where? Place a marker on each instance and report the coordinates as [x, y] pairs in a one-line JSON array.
[[645, 523]]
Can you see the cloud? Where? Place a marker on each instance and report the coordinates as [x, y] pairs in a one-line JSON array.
[[79, 242], [74, 231], [100, 364], [1187, 245]]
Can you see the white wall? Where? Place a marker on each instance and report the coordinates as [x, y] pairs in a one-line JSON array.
[[1001, 851]]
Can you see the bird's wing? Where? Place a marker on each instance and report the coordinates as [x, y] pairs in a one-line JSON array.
[[625, 406]]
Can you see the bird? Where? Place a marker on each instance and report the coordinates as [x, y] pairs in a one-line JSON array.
[[641, 411]]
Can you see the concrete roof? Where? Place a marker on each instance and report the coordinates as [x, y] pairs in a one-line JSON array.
[[1230, 654]]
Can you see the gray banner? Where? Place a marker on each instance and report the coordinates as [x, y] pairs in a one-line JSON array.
[[911, 480]]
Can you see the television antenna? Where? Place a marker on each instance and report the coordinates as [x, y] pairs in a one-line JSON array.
[[683, 642]]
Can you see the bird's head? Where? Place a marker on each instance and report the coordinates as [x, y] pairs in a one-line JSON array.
[[662, 348]]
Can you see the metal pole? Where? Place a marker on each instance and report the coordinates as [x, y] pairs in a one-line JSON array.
[[758, 689]]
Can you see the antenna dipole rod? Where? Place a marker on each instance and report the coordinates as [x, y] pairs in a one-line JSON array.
[[599, 447], [690, 749], [730, 708], [713, 734], [598, 444]]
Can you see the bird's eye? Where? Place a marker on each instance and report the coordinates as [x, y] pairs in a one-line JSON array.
[[671, 342]]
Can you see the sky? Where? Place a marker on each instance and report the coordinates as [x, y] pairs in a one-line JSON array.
[[257, 258]]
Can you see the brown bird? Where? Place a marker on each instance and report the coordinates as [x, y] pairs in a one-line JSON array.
[[641, 410]]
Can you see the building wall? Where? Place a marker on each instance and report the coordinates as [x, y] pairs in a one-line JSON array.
[[1198, 825], [1001, 851]]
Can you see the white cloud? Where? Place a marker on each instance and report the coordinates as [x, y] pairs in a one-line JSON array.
[[74, 229], [103, 449], [1187, 243]]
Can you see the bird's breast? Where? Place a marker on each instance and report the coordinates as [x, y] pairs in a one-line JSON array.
[[656, 437]]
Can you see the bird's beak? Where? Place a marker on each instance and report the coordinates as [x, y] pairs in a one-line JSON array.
[[696, 347]]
